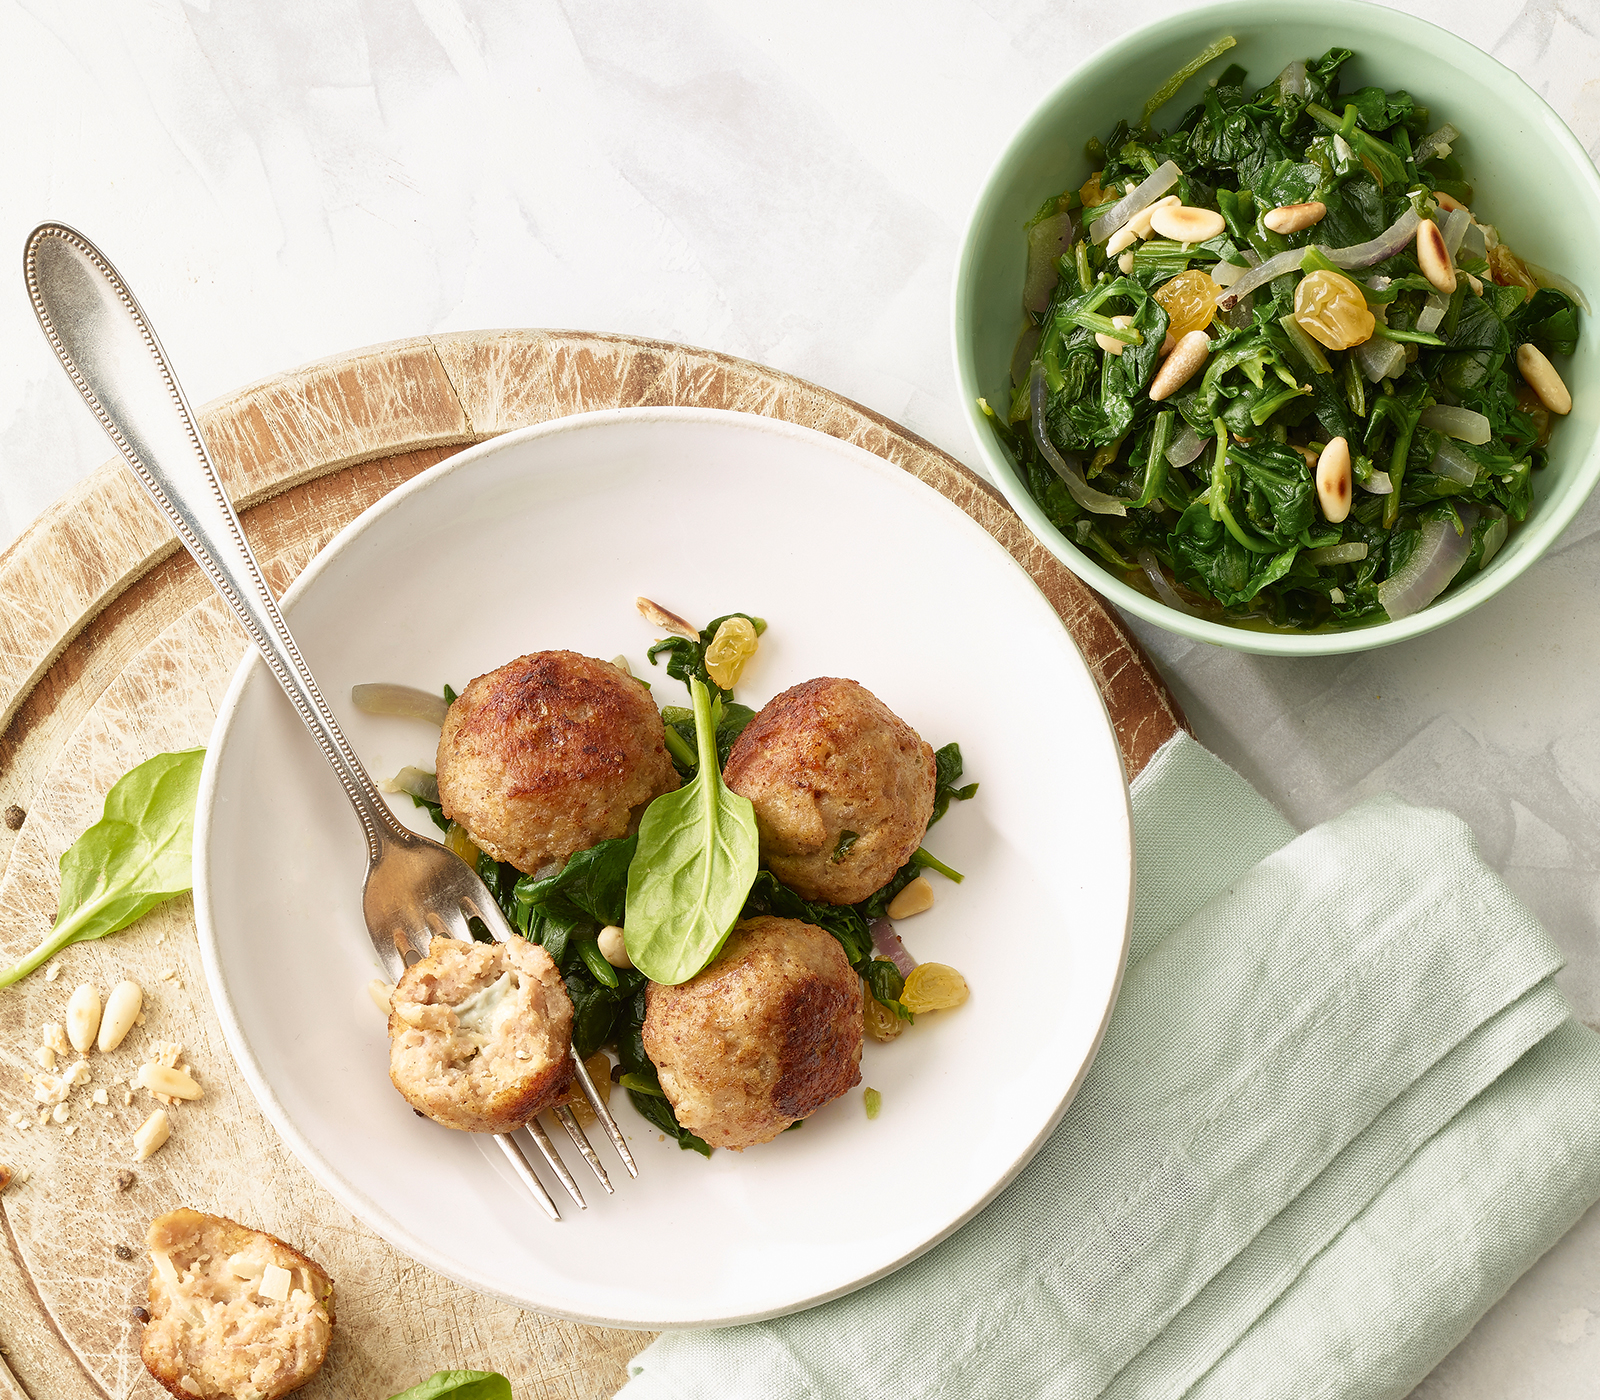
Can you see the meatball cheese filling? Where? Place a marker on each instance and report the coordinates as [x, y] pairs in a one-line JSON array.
[[479, 1034], [764, 1036], [549, 755], [233, 1312], [842, 788]]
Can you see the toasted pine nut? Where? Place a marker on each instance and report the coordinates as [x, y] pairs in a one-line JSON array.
[[174, 1083], [1543, 379], [1125, 263], [1181, 365], [1124, 237], [1168, 344], [1186, 224], [1140, 222], [1477, 286], [1333, 480], [155, 1130], [1434, 258], [613, 948], [1291, 218], [381, 992], [124, 1003], [1447, 202], [1110, 344], [83, 1017], [915, 898]]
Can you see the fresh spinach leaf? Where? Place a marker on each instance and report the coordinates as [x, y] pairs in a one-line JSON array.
[[459, 1385], [135, 857], [694, 865], [947, 769]]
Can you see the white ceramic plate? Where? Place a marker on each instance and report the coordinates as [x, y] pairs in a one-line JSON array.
[[542, 539]]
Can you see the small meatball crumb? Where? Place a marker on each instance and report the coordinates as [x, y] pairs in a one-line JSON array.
[[765, 1035], [551, 754], [842, 788], [233, 1312], [480, 1033]]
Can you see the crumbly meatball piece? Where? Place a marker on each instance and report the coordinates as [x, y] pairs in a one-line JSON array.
[[479, 1034], [551, 754], [766, 1034], [233, 1311], [825, 758]]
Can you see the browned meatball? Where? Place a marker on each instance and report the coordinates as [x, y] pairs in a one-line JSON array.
[[825, 758], [766, 1034], [479, 1034], [234, 1312], [551, 754]]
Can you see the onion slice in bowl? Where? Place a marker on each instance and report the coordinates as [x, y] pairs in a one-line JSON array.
[[1158, 581], [1462, 423], [405, 701], [1427, 573], [886, 944], [1375, 250], [414, 782], [1352, 553], [1454, 465], [1154, 185], [1188, 445], [1083, 493]]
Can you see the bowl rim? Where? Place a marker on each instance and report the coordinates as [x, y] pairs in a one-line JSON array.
[[1544, 524]]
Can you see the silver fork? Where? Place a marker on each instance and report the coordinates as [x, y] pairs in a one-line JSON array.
[[415, 888]]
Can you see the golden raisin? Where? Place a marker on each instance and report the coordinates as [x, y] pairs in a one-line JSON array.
[[457, 840], [734, 644], [881, 1023], [1507, 269], [933, 987], [1090, 192], [1190, 301], [599, 1068], [1331, 309]]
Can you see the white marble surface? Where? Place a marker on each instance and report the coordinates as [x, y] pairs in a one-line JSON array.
[[283, 179]]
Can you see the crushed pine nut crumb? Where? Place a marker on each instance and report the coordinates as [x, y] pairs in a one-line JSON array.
[[60, 1113], [101, 1097], [44, 1057], [15, 1117], [139, 1019], [70, 1129], [127, 1097], [52, 972], [56, 1038], [43, 1116], [23, 1176]]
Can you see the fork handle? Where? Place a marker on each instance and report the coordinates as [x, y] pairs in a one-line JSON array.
[[110, 352]]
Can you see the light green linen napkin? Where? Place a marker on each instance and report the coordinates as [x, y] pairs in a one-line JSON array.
[[1338, 1109]]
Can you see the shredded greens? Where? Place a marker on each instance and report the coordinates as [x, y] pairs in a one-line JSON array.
[[1237, 532]]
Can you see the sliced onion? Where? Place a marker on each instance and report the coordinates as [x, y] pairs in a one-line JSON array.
[[1341, 148], [1352, 553], [1225, 274], [1378, 484], [1186, 448], [886, 944], [1474, 243], [1454, 229], [1545, 278], [1432, 312], [1083, 493], [1461, 423], [417, 782], [1275, 266], [1047, 241], [1156, 184], [1454, 465], [1158, 581], [1427, 573], [406, 701], [1375, 250], [1380, 359], [1436, 143], [1292, 81]]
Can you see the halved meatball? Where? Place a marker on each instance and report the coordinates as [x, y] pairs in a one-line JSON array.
[[842, 787], [551, 754], [766, 1034], [233, 1312], [479, 1034]]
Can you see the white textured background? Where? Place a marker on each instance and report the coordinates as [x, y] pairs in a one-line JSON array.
[[283, 179]]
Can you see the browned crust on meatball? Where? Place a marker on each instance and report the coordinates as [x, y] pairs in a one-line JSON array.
[[501, 1068], [767, 1034], [209, 1333], [825, 757], [551, 754]]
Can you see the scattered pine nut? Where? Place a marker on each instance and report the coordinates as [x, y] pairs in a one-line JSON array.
[[1434, 258], [1543, 379], [1184, 224], [122, 1010], [1448, 202], [160, 1079], [1110, 344], [152, 1135], [83, 1017], [381, 992], [1123, 238], [915, 898], [1291, 218], [1125, 263], [1140, 222], [52, 972], [614, 946], [1333, 480]]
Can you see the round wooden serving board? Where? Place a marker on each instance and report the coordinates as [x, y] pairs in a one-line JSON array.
[[112, 648]]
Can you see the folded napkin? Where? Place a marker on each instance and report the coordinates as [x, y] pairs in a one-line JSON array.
[[1339, 1108]]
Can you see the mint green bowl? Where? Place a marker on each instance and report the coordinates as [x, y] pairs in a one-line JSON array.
[[1532, 180]]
